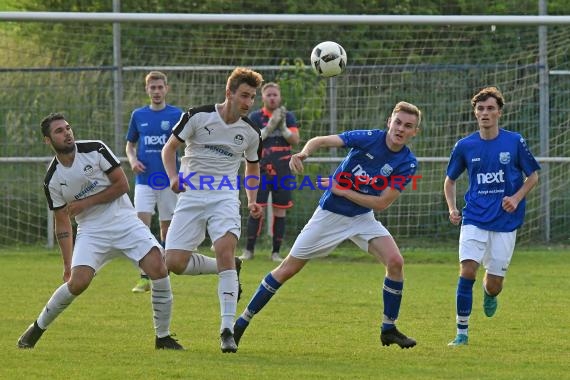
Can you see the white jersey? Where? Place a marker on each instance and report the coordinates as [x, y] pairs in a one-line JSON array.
[[214, 149], [87, 176]]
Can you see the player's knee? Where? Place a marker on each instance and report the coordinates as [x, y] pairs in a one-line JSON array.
[[77, 286], [493, 287], [80, 279], [395, 263], [174, 264]]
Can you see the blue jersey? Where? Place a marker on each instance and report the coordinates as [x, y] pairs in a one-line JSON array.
[[150, 130], [495, 168], [369, 168]]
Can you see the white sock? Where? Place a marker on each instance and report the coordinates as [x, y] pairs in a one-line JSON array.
[[58, 302], [161, 297], [227, 293], [200, 264]]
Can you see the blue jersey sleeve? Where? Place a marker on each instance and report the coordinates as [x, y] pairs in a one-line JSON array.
[[133, 132], [291, 120], [527, 161], [456, 164]]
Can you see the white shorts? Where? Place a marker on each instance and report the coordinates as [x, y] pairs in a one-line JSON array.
[[326, 230], [492, 249], [147, 198], [129, 237], [216, 212]]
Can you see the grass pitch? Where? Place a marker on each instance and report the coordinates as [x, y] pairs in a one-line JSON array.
[[323, 324]]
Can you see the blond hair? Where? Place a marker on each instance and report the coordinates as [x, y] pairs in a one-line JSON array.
[[155, 75], [408, 108]]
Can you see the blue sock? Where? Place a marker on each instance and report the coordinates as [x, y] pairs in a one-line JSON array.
[[265, 291], [464, 303], [392, 296]]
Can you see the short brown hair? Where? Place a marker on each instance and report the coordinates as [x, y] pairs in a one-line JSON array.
[[486, 93], [242, 75], [408, 108], [155, 75], [46, 122], [270, 85]]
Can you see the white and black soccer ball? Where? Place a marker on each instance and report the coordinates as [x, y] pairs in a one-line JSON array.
[[328, 59]]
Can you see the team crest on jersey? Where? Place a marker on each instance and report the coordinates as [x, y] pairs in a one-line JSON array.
[[165, 125], [238, 139], [88, 170], [386, 170], [504, 157]]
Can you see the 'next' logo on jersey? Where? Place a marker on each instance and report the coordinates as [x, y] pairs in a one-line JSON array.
[[154, 140], [488, 178]]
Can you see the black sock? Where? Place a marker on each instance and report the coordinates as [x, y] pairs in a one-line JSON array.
[[253, 229], [278, 232]]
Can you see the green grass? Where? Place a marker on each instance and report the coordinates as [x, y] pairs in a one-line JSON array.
[[323, 324]]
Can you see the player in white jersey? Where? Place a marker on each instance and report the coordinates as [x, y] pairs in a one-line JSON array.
[[497, 162], [372, 176], [149, 129], [217, 137], [85, 182]]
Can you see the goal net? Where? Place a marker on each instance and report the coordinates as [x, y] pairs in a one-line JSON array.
[[69, 67]]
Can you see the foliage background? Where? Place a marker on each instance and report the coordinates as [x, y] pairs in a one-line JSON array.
[[47, 66]]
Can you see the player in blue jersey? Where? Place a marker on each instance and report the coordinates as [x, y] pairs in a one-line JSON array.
[[279, 130], [370, 178], [149, 129], [501, 172]]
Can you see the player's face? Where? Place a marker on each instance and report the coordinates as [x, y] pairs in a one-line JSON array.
[[488, 113], [156, 90], [402, 126], [242, 100], [271, 98], [61, 137]]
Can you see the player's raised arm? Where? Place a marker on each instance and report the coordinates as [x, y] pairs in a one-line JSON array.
[[330, 141]]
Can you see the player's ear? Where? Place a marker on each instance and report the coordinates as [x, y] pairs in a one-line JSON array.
[[388, 120]]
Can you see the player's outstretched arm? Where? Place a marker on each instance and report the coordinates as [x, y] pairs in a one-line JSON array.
[[314, 144]]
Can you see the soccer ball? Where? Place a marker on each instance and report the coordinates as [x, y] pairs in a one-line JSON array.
[[328, 59]]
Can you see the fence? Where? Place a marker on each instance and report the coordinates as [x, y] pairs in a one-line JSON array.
[[93, 70]]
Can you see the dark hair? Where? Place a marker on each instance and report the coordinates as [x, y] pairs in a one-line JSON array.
[[46, 122], [486, 93], [243, 75]]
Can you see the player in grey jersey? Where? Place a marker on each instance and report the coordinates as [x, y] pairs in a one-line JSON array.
[[217, 137], [85, 182]]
